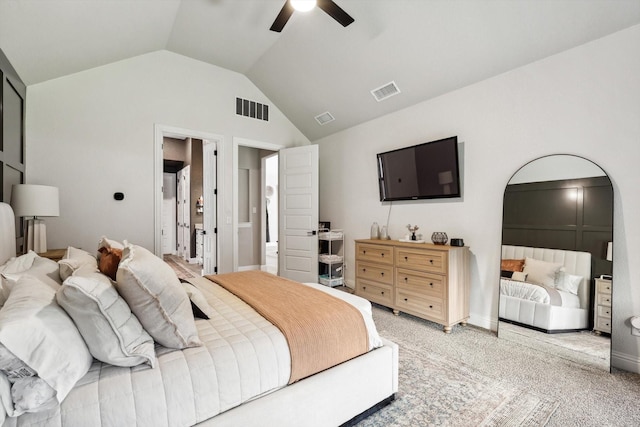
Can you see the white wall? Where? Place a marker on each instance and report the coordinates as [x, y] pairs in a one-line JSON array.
[[585, 101], [92, 134]]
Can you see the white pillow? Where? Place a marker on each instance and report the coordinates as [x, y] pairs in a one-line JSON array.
[[198, 300], [112, 333], [569, 282], [43, 269], [14, 265], [37, 331], [73, 260], [156, 297], [519, 276], [541, 272]]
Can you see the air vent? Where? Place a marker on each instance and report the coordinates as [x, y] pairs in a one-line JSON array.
[[253, 109], [386, 91], [324, 118]]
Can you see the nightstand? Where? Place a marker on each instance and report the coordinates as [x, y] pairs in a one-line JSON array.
[[602, 306], [53, 254]]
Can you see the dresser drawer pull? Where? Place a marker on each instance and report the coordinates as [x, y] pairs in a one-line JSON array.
[[406, 299], [364, 270], [382, 273], [431, 284], [406, 258], [364, 288], [431, 306], [431, 261], [364, 252], [406, 279], [382, 254], [382, 292]]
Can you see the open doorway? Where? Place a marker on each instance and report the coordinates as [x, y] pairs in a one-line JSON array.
[[270, 188], [186, 199]]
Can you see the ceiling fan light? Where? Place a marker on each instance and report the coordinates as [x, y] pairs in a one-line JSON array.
[[303, 5]]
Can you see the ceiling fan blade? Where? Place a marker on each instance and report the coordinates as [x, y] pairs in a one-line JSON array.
[[336, 12], [282, 18]]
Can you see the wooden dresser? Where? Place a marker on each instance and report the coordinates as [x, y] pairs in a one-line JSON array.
[[602, 306], [422, 279]]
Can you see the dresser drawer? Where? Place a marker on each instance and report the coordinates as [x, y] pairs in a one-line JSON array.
[[603, 286], [376, 253], [420, 282], [603, 324], [376, 292], [421, 305], [603, 299], [604, 311], [423, 260], [377, 272]]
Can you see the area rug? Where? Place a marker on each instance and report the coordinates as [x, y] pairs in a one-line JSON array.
[[181, 271], [435, 390]]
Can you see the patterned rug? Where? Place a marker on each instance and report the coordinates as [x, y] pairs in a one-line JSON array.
[[436, 390], [181, 271]]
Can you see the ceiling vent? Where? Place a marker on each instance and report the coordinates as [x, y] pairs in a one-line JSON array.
[[324, 118], [253, 109], [386, 91]]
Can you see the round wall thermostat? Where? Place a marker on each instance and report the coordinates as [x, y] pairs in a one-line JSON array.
[[118, 196]]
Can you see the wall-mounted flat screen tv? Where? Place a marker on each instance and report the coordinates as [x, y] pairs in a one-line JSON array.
[[424, 171]]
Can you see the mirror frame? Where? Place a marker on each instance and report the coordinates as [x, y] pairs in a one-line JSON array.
[[592, 279]]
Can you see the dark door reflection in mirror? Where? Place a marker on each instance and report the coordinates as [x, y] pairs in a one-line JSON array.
[[562, 205]]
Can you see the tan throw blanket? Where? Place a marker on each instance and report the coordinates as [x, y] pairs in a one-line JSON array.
[[322, 331]]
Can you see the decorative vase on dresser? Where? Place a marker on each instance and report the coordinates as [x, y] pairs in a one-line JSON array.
[[602, 308], [425, 280]]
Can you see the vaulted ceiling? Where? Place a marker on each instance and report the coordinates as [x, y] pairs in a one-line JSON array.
[[427, 47]]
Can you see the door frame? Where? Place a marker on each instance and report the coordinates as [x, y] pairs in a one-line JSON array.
[[160, 132], [244, 142]]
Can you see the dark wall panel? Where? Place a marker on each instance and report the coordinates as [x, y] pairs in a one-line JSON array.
[[566, 214]]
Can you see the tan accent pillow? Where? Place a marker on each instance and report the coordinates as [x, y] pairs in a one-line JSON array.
[[109, 260], [512, 264], [156, 297]]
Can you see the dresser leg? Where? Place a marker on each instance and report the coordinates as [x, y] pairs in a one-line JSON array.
[[447, 329], [396, 312], [463, 323]]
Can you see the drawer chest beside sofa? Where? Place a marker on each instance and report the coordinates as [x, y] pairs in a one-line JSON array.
[[425, 280]]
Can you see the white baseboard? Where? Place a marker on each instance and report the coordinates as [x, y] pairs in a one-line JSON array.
[[625, 362], [249, 267]]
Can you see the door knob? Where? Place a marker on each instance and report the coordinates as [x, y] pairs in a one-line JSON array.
[[311, 233]]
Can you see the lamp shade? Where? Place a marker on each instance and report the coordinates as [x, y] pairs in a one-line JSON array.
[[35, 200], [610, 251]]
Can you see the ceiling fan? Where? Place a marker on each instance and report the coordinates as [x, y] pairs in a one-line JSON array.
[[332, 9]]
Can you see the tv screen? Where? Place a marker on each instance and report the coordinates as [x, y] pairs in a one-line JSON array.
[[424, 171]]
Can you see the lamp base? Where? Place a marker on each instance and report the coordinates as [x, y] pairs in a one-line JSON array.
[[35, 236]]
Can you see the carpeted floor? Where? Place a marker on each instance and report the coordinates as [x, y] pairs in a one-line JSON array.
[[472, 378]]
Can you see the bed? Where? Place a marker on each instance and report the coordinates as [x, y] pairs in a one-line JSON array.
[[551, 295], [234, 368]]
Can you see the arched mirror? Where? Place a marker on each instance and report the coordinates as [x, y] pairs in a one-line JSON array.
[[556, 285]]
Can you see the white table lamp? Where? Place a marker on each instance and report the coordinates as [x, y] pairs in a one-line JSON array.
[[29, 200]]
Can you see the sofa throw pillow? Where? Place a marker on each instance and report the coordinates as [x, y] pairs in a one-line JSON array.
[[156, 297], [112, 333]]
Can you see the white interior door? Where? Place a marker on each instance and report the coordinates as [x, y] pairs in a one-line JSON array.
[[298, 231], [169, 219], [184, 213], [210, 185]]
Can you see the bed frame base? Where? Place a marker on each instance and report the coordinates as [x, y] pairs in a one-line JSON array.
[[535, 328], [375, 408]]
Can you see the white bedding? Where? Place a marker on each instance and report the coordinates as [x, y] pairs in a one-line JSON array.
[[537, 293], [244, 357]]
